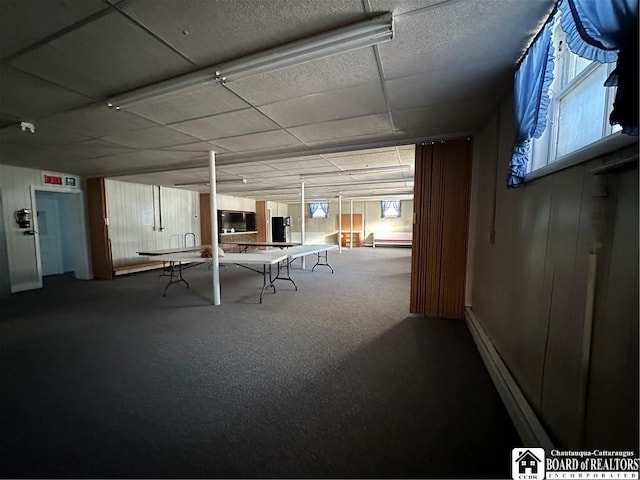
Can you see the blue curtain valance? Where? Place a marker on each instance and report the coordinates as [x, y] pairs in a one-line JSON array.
[[532, 81], [607, 31]]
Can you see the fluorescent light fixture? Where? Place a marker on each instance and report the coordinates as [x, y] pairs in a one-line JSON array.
[[362, 34], [359, 171]]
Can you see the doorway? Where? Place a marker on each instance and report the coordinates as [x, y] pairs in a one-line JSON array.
[[60, 238]]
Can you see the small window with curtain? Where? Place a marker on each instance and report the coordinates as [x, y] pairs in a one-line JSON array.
[[578, 98], [319, 210], [390, 209]]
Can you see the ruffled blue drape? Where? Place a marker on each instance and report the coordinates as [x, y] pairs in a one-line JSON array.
[[606, 31], [532, 82]]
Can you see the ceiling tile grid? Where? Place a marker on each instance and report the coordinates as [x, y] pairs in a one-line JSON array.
[[449, 64], [23, 23], [210, 32], [107, 56], [232, 124]]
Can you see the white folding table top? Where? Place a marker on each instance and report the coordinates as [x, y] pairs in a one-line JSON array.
[[265, 258]]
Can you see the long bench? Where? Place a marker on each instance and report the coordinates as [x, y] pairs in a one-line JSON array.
[[393, 239]]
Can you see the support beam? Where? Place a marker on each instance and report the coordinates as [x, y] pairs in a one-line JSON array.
[[340, 223], [351, 224], [213, 202], [302, 221]]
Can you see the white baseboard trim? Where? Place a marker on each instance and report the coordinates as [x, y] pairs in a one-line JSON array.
[[26, 286], [524, 419]]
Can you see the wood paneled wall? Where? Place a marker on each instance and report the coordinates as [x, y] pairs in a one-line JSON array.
[[441, 219], [346, 222]]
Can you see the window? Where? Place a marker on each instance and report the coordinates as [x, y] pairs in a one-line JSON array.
[[390, 209], [580, 105], [319, 210]]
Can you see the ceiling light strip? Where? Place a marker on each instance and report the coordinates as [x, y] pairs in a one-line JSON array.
[[362, 34]]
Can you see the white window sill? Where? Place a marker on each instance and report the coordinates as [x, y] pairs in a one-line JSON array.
[[601, 147]]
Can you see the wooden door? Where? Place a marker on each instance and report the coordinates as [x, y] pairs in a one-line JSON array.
[[205, 219], [441, 219], [98, 231], [261, 221]]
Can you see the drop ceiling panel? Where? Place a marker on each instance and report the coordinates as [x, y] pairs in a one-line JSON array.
[[257, 141], [41, 157], [154, 137], [448, 85], [46, 134], [254, 169], [493, 29], [356, 101], [98, 121], [371, 151], [93, 148], [364, 159], [203, 147], [203, 101], [141, 159], [209, 32], [338, 71], [353, 127], [400, 7], [23, 23], [107, 56], [230, 124], [469, 113], [18, 91], [183, 155]]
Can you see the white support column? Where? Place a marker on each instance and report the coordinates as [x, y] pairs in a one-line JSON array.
[[351, 227], [302, 217], [340, 223], [213, 202]]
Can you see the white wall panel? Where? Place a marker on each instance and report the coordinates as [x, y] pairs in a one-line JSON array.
[[226, 202], [528, 289], [16, 185], [179, 216], [135, 221], [130, 209]]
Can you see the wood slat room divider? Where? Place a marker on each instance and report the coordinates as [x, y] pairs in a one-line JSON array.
[[441, 220]]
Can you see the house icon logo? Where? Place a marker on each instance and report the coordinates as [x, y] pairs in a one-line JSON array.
[[527, 464]]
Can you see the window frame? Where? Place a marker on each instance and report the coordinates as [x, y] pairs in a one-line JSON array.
[[325, 211], [383, 211], [563, 85]]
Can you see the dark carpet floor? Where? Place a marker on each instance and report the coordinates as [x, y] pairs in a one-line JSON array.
[[110, 379]]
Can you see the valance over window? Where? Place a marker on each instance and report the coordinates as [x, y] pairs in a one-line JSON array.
[[605, 32]]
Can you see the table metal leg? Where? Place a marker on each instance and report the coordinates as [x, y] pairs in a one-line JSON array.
[[325, 263], [173, 278], [280, 276]]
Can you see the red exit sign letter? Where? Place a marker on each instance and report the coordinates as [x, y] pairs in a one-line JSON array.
[[52, 180]]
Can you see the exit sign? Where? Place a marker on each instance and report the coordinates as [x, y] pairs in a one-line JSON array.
[[52, 179]]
